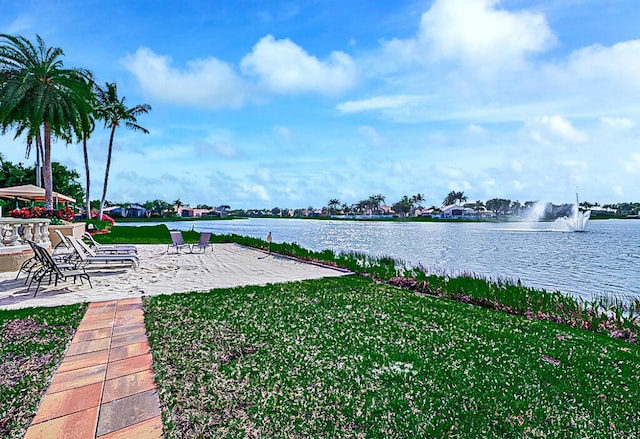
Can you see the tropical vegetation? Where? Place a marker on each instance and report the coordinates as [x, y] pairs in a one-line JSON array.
[[43, 100], [17, 174], [38, 93], [113, 110]]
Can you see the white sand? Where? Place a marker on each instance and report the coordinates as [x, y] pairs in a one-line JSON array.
[[159, 272]]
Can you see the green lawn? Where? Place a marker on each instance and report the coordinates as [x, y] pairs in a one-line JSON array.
[[32, 343], [348, 357]]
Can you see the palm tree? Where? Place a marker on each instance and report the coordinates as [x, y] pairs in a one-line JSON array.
[[333, 205], [114, 112], [87, 125], [36, 90], [375, 201], [450, 198]]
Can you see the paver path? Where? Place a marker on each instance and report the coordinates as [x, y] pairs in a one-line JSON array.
[[104, 387]]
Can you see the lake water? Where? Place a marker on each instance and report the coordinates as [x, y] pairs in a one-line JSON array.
[[605, 259]]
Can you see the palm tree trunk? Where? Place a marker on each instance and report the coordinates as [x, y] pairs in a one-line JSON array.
[[87, 207], [48, 176], [38, 159], [106, 171]]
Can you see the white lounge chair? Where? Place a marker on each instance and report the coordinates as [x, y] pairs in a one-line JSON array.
[[115, 248], [204, 242], [88, 256], [176, 241]]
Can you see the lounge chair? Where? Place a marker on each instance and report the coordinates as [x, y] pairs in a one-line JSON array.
[[204, 242], [88, 256], [54, 270], [176, 241], [116, 248]]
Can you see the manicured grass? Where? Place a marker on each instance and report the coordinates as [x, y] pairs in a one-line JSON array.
[[176, 218], [32, 343], [348, 357], [157, 234]]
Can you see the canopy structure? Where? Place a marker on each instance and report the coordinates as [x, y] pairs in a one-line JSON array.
[[31, 192]]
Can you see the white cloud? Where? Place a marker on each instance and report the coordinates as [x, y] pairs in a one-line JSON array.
[[284, 131], [284, 67], [617, 122], [379, 103], [205, 82], [476, 129], [574, 165], [372, 135], [547, 128], [19, 25], [478, 33], [257, 190], [632, 165], [617, 190], [618, 65], [224, 149]]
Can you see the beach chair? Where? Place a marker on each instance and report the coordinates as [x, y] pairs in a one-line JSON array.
[[88, 256], [176, 241], [203, 242], [115, 248], [49, 267]]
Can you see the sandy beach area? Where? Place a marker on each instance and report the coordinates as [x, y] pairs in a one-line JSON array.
[[162, 272]]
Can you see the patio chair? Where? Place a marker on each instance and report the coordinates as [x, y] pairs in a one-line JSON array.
[[34, 263], [176, 241], [53, 269], [115, 248], [87, 256], [29, 267], [203, 242], [62, 252]]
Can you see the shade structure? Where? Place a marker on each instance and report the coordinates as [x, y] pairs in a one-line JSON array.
[[31, 192]]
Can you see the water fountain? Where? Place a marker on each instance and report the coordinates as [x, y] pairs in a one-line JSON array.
[[577, 222]]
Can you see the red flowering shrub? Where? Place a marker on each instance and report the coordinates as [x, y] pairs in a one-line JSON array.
[[105, 217], [66, 213]]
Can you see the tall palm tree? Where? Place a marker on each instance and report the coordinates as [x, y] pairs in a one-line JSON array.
[[450, 198], [37, 90], [333, 205], [88, 125], [113, 111]]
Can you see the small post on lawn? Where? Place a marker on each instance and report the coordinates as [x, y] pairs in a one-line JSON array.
[[269, 240]]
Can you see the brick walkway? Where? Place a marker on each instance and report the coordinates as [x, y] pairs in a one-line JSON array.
[[104, 387]]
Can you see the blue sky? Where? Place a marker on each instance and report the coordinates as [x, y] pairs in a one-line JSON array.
[[259, 104]]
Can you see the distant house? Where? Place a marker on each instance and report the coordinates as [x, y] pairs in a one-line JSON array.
[[116, 211], [191, 212], [136, 211], [453, 211], [133, 211], [221, 210]]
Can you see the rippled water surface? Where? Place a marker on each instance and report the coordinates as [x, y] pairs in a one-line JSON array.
[[604, 259]]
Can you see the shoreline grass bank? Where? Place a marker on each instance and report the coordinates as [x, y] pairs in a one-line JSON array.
[[618, 318]]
